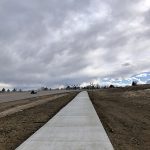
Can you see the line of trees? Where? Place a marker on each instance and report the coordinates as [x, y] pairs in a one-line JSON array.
[[8, 90], [73, 87], [97, 86], [91, 86]]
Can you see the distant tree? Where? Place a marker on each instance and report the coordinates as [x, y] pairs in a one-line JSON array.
[[45, 89], [134, 83], [3, 90], [68, 87], [105, 87], [14, 90], [97, 86], [20, 90], [8, 90], [91, 86], [74, 87], [111, 86]]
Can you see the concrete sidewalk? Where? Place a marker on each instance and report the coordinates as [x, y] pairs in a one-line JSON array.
[[75, 127]]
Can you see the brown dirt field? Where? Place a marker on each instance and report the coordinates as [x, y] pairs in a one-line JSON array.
[[125, 116], [16, 128], [16, 109], [7, 105]]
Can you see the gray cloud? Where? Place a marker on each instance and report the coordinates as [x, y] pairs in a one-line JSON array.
[[56, 42], [126, 64]]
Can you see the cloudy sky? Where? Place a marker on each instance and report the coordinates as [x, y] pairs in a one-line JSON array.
[[59, 42]]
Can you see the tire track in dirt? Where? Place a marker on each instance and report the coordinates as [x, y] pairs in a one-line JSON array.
[[30, 105]]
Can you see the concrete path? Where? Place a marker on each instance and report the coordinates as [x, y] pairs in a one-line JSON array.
[[75, 127]]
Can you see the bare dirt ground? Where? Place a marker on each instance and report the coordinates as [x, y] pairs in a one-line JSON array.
[[12, 96], [7, 105], [125, 114], [30, 104], [11, 104], [16, 128]]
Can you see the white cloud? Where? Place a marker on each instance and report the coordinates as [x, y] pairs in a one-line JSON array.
[[142, 75], [3, 85]]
